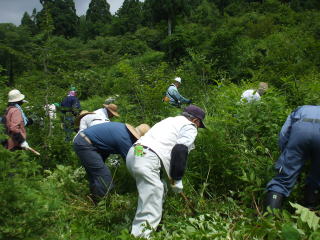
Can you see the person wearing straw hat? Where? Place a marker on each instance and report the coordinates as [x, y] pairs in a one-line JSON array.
[[94, 144], [81, 116], [173, 96], [166, 145], [16, 121], [102, 115], [251, 95]]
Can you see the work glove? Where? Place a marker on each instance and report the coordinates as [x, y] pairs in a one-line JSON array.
[[24, 145], [177, 186]]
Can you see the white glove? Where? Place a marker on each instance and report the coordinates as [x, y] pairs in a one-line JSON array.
[[177, 186], [24, 145]]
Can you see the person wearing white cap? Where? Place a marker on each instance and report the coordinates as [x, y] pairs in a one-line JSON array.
[[16, 121], [173, 96]]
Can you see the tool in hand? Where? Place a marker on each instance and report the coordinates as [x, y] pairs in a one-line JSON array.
[[32, 150]]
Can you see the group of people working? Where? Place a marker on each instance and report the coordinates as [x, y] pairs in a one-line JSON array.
[[166, 145]]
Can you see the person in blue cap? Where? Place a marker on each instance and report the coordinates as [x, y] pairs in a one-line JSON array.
[[299, 141]]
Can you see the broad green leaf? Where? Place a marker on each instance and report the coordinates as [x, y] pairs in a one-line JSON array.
[[289, 232], [307, 216]]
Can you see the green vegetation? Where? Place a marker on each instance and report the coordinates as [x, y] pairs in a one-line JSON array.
[[218, 48]]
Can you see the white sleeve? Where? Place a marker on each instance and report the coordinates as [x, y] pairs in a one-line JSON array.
[[187, 136], [246, 95], [83, 123]]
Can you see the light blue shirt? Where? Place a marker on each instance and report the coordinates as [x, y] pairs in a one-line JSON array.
[[175, 97], [25, 119], [306, 111]]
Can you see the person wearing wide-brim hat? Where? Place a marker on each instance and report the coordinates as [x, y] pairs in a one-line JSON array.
[[82, 114], [166, 145], [112, 109], [94, 144], [16, 121], [101, 115]]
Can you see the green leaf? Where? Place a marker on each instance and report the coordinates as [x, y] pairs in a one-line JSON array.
[[289, 232], [307, 216]]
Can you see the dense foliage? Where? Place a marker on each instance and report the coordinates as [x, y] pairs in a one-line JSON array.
[[218, 48]]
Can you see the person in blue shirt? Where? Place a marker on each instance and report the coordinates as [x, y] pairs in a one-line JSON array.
[[94, 144], [70, 107], [173, 95], [299, 140]]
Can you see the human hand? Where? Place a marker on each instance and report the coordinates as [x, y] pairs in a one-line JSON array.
[[24, 145], [177, 186]]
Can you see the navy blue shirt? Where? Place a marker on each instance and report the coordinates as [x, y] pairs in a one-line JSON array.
[[111, 137], [70, 103]]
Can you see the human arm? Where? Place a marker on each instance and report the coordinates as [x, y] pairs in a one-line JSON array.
[[286, 129], [76, 103], [173, 92], [179, 155], [83, 123]]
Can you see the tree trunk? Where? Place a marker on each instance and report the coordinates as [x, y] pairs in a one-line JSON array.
[[169, 26]]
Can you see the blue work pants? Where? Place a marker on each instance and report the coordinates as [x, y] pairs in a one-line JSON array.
[[68, 127], [99, 175], [303, 143]]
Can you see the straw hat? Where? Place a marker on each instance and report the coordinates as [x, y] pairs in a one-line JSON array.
[[81, 115], [112, 108], [263, 86], [139, 131], [15, 96]]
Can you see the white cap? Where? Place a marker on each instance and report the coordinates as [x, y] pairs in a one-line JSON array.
[[177, 79], [15, 96]]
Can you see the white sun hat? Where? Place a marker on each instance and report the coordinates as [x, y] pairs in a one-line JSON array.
[[15, 96]]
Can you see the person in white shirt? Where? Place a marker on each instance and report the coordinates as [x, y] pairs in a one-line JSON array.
[[51, 113], [87, 119], [166, 144], [254, 94]]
